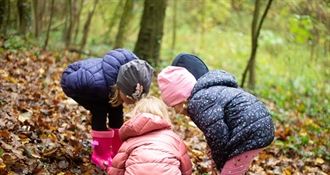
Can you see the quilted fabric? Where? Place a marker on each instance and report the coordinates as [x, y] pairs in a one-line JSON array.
[[92, 78], [150, 147], [232, 120]]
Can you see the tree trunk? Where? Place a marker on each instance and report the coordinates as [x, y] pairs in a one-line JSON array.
[[8, 16], [66, 20], [38, 13], [124, 23], [68, 32], [254, 43], [174, 20], [3, 16], [49, 24], [39, 7], [42, 10], [36, 26], [256, 27], [151, 32], [24, 15], [73, 19], [78, 21], [86, 27]]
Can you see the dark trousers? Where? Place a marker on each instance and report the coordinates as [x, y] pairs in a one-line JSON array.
[[100, 110]]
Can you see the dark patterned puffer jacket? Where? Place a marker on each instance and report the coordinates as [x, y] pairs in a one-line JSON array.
[[92, 78], [232, 120]]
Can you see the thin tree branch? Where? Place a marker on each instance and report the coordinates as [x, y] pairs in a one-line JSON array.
[[255, 40]]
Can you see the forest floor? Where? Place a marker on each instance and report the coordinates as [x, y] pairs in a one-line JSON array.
[[44, 132]]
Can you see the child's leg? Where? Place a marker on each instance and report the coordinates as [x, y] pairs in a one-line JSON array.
[[116, 120], [115, 116], [98, 110], [239, 164]]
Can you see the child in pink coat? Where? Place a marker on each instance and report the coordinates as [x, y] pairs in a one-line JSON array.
[[149, 145]]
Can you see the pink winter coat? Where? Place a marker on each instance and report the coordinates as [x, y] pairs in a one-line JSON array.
[[150, 147]]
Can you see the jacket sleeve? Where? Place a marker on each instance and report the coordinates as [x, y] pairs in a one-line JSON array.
[[186, 165], [217, 134], [118, 164], [207, 112]]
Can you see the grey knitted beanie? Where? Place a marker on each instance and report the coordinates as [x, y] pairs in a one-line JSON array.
[[134, 79]]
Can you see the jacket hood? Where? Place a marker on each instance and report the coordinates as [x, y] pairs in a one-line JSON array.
[[215, 78], [141, 124], [192, 63]]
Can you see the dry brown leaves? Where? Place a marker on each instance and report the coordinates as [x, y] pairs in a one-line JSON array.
[[44, 132]]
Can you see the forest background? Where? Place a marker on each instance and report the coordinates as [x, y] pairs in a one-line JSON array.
[[285, 63]]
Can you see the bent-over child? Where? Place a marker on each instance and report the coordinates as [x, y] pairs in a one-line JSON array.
[[101, 85], [236, 124]]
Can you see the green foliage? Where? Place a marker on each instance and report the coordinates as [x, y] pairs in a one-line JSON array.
[[17, 42], [294, 86], [271, 41], [303, 107], [1, 153], [301, 26]]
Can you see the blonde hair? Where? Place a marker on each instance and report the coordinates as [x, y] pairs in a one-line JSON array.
[[152, 105], [115, 99]]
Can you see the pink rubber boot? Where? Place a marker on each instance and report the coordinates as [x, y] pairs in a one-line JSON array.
[[116, 142], [102, 154]]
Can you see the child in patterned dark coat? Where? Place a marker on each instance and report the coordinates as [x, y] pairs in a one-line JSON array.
[[236, 124]]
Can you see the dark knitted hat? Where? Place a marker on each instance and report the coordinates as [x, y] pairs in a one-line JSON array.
[[192, 63], [134, 79]]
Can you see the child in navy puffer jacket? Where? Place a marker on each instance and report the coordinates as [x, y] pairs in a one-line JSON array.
[[101, 85], [236, 124]]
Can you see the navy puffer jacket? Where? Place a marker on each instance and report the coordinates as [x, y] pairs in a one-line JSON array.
[[92, 78], [232, 120]]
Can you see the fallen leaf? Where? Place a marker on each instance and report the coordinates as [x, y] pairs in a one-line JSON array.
[[319, 161], [25, 116]]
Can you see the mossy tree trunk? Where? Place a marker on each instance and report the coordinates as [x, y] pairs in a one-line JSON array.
[[24, 16], [38, 13], [151, 32], [81, 4], [49, 24], [124, 24], [2, 15]]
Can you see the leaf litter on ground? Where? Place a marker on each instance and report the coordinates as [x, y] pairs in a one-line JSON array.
[[44, 132]]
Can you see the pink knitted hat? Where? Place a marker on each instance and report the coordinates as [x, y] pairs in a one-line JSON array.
[[175, 84]]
